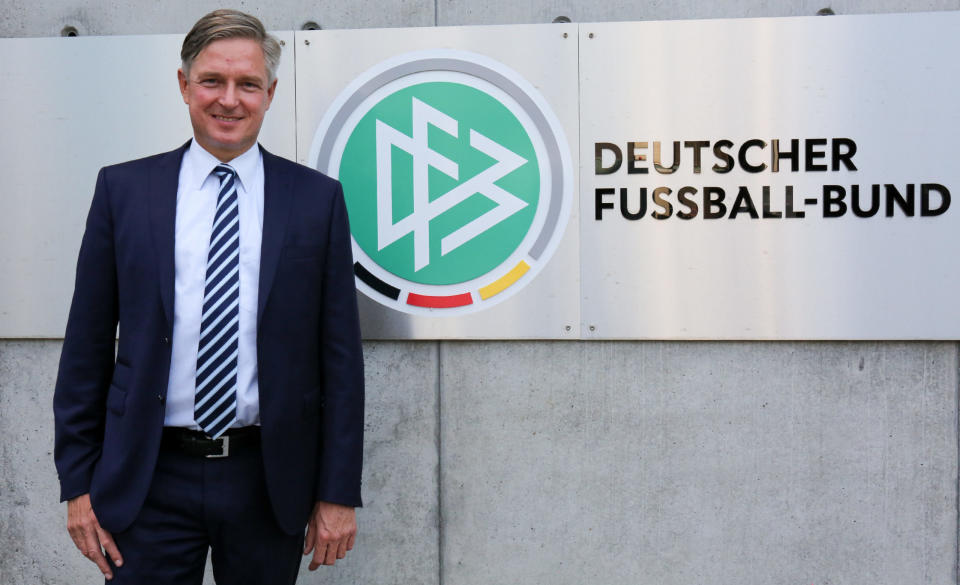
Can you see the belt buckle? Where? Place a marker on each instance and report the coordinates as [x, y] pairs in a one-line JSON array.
[[224, 448]]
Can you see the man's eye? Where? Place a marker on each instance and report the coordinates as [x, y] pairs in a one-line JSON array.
[[208, 82], [251, 86]]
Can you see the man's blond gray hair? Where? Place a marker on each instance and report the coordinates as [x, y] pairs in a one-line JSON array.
[[229, 24]]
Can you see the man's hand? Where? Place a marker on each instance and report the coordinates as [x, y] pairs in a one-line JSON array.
[[90, 539], [330, 533]]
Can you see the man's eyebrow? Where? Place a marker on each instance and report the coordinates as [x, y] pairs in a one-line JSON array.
[[218, 75], [200, 73]]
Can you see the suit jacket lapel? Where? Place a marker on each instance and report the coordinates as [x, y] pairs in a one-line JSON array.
[[276, 211], [164, 180]]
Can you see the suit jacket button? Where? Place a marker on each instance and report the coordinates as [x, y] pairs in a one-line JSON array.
[[164, 340], [161, 398]]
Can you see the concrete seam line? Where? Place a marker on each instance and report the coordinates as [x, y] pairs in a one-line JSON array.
[[439, 434]]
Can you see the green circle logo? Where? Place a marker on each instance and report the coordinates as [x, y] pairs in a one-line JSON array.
[[456, 176]]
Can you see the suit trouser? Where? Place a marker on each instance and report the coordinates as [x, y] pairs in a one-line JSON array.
[[195, 504]]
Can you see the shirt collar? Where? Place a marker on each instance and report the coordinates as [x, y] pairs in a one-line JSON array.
[[201, 163]]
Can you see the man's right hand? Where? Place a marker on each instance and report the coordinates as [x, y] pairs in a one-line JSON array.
[[89, 538]]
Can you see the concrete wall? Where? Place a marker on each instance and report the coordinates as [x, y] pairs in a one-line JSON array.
[[714, 463], [599, 462], [577, 462], [27, 18]]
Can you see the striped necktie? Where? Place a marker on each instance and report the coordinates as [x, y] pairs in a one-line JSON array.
[[215, 403]]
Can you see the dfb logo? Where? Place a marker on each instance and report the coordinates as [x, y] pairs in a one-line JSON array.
[[457, 178]]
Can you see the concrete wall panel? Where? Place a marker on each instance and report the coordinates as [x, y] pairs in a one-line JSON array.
[[462, 12], [22, 18], [632, 462], [398, 527], [33, 526]]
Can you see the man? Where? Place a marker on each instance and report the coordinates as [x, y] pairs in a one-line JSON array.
[[231, 415]]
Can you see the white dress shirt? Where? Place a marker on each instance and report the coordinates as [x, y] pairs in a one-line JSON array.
[[196, 206]]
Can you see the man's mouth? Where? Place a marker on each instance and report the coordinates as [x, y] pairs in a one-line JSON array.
[[226, 118]]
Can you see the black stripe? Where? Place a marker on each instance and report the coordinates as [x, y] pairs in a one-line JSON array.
[[230, 274], [375, 283], [208, 334], [210, 416], [205, 379]]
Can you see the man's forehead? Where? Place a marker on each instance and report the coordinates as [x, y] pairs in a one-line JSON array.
[[231, 50], [234, 48]]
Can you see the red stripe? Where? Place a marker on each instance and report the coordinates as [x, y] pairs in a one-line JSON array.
[[439, 302]]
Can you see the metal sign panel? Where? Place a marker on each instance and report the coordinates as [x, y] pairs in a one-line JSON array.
[[75, 105], [770, 178], [734, 179], [458, 174]]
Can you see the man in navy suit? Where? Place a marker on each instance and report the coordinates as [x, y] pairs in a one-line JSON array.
[[230, 414]]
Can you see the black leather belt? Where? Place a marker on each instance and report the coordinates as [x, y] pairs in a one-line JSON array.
[[198, 444]]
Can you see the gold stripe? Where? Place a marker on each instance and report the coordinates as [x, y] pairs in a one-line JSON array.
[[498, 286]]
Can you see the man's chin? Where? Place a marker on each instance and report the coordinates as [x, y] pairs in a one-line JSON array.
[[225, 149]]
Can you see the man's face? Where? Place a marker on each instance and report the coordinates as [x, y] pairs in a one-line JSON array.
[[228, 92]]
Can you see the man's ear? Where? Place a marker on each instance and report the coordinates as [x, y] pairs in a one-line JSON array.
[[184, 83], [270, 91]]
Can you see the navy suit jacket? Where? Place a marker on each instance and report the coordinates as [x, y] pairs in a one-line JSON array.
[[109, 397]]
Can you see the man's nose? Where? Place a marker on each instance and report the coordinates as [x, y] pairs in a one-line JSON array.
[[229, 95]]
